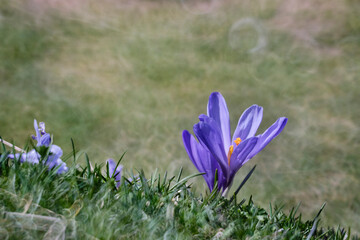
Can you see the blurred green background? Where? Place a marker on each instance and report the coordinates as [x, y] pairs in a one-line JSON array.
[[130, 75]]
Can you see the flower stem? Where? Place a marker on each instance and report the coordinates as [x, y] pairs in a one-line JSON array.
[[12, 146]]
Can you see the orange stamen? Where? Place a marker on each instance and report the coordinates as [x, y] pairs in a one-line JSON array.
[[231, 149], [237, 141]]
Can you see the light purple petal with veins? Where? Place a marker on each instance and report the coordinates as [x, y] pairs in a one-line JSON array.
[[268, 135], [218, 110], [248, 123]]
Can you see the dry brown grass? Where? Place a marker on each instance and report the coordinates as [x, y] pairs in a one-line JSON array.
[[306, 20]]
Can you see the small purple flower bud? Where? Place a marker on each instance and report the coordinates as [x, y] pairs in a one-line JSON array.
[[42, 128]]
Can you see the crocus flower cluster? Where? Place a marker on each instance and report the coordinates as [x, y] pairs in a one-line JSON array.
[[217, 151], [114, 171], [43, 139]]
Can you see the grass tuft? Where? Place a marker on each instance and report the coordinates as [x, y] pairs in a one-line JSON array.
[[84, 203]]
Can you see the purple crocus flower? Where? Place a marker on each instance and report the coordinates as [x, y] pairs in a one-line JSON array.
[[116, 173], [43, 139], [31, 157], [34, 157], [217, 150], [54, 160]]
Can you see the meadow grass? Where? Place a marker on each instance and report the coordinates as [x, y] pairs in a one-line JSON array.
[[85, 203], [130, 76]]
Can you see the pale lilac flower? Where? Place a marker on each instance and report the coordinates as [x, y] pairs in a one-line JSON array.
[[217, 150], [54, 160], [31, 157], [43, 139]]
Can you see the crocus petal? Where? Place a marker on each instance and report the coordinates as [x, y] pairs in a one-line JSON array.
[[55, 153], [268, 135], [112, 166], [21, 157], [118, 176], [196, 152], [38, 136], [32, 157], [42, 127], [203, 117], [115, 172], [63, 168], [210, 137], [45, 140], [135, 179], [248, 123], [201, 158], [12, 156], [240, 155], [218, 110], [57, 163]]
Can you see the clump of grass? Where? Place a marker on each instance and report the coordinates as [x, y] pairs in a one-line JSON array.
[[84, 203]]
